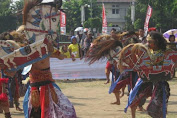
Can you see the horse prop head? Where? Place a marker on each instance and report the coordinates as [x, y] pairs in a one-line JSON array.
[[40, 25], [41, 20]]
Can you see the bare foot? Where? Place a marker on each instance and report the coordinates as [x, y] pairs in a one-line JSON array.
[[19, 109], [118, 103], [106, 82], [140, 109]]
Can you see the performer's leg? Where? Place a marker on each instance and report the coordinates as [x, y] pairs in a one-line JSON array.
[[17, 95], [121, 84], [7, 115], [16, 101], [11, 103], [140, 105], [133, 111], [107, 72], [6, 111], [117, 95], [122, 93], [35, 113]]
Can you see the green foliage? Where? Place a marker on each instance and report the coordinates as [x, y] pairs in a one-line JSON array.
[[8, 18], [73, 14], [164, 14], [110, 25], [93, 23]]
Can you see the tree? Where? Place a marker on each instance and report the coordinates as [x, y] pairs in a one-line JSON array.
[[8, 19], [73, 13], [93, 23], [17, 11], [162, 16]]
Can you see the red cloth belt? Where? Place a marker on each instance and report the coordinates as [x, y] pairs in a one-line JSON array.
[[3, 96]]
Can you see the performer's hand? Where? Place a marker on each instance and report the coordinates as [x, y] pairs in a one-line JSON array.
[[73, 59], [81, 58], [50, 47], [107, 82]]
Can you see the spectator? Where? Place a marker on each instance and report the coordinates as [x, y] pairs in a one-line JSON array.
[[87, 42], [65, 52], [142, 38], [74, 49], [172, 39], [79, 36], [82, 40]]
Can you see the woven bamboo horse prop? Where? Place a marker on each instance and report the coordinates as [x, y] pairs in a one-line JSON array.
[[41, 23], [136, 57]]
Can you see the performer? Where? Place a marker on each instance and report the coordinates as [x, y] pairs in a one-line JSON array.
[[128, 78], [44, 99], [4, 103], [157, 47], [108, 65], [14, 86]]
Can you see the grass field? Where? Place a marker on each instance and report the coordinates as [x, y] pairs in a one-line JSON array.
[[91, 100]]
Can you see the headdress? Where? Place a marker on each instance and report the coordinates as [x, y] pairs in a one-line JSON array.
[[152, 29]]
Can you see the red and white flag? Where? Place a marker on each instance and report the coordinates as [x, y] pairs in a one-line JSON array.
[[104, 21], [148, 16], [62, 23]]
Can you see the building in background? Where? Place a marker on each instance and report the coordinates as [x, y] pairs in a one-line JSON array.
[[116, 10]]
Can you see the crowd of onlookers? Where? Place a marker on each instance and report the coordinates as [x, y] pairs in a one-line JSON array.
[[79, 46], [81, 42]]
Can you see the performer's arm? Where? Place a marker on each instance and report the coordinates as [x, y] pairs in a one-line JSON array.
[[57, 54]]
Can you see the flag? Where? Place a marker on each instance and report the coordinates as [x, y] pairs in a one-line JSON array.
[[148, 16], [133, 12], [62, 23], [104, 21]]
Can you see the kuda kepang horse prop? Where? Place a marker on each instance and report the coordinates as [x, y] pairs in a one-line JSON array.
[[40, 22], [137, 57]]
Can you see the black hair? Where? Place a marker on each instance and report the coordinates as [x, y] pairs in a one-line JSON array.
[[171, 36], [160, 41], [132, 37]]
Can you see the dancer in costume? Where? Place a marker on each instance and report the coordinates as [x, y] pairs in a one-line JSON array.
[[157, 46], [106, 46], [44, 98], [14, 92], [4, 103], [108, 65], [101, 49], [153, 80]]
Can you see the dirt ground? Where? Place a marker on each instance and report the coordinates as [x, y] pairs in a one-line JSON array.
[[91, 100]]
